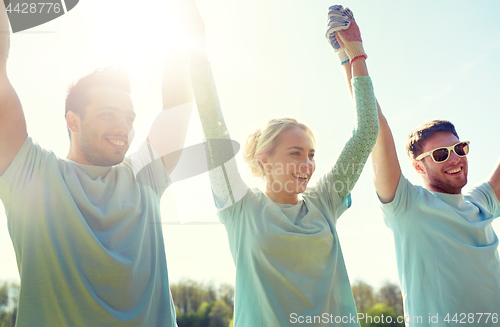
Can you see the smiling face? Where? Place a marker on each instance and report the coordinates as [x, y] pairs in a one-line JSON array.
[[444, 177], [290, 167], [101, 136]]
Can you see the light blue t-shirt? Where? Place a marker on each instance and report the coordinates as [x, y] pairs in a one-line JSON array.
[[289, 263], [88, 241], [447, 253]]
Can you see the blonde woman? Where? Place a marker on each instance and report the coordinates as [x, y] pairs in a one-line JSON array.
[[283, 239]]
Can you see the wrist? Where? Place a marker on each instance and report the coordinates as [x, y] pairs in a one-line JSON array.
[[343, 57]]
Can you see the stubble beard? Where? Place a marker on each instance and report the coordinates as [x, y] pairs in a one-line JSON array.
[[447, 186], [94, 154]]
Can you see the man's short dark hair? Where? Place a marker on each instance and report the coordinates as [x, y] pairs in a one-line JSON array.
[[417, 138], [77, 98]]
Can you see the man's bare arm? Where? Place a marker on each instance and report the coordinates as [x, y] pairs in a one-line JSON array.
[[495, 180], [12, 122], [386, 169], [168, 133]]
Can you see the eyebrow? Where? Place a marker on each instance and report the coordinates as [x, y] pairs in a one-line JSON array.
[[130, 112], [300, 148]]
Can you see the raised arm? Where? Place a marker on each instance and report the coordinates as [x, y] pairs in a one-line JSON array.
[[168, 133], [12, 122], [386, 169], [344, 36], [225, 180], [384, 159], [495, 180]]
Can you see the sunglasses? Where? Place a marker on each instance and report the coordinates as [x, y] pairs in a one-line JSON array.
[[461, 149]]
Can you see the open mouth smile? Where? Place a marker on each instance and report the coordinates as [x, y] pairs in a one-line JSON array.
[[117, 143], [303, 177], [454, 171]]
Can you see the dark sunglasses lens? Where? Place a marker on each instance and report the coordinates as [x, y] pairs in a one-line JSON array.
[[440, 155], [462, 149]]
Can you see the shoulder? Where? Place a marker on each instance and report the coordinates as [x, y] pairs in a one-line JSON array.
[[484, 195], [30, 157], [31, 163], [253, 203], [407, 196]]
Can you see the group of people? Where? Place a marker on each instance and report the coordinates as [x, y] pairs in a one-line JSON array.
[[90, 251]]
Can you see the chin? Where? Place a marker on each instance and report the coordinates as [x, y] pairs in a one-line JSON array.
[[108, 161]]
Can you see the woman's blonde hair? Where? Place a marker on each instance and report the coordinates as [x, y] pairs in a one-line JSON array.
[[262, 143]]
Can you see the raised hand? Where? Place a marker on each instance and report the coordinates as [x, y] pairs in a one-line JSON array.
[[337, 21], [350, 39]]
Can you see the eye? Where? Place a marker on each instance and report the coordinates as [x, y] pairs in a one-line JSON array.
[[131, 120], [108, 114], [311, 155], [295, 153]]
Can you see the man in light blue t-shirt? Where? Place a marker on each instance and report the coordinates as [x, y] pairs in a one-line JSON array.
[[446, 248], [86, 229]]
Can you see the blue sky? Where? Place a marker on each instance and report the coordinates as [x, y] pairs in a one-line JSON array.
[[428, 60]]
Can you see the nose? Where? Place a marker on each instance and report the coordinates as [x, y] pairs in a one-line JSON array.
[[453, 157], [309, 164], [123, 126]]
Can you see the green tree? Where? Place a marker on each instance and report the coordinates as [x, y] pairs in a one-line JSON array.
[[201, 305], [4, 296], [9, 298], [380, 315], [390, 295], [188, 295], [220, 315], [363, 295], [226, 293]]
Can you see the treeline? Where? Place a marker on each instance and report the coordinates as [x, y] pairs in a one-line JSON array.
[[203, 305]]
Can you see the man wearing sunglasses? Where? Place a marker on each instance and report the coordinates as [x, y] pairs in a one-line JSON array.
[[446, 248]]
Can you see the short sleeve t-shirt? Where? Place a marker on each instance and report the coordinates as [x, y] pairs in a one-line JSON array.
[[88, 241], [446, 252], [289, 263]]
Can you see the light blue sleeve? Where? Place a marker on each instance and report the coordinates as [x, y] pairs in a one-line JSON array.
[[148, 168], [406, 196], [227, 186], [485, 195], [19, 173]]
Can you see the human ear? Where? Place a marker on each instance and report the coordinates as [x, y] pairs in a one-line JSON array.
[[73, 121], [266, 165], [419, 167]]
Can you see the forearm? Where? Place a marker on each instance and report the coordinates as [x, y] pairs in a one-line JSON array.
[[207, 102], [223, 171], [12, 123], [168, 132], [386, 169], [357, 150], [357, 68], [176, 84], [495, 180], [4, 37]]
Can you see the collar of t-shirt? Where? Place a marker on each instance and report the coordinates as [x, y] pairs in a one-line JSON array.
[[91, 170]]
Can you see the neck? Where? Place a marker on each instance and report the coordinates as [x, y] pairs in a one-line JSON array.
[[281, 197], [442, 189], [75, 155]]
